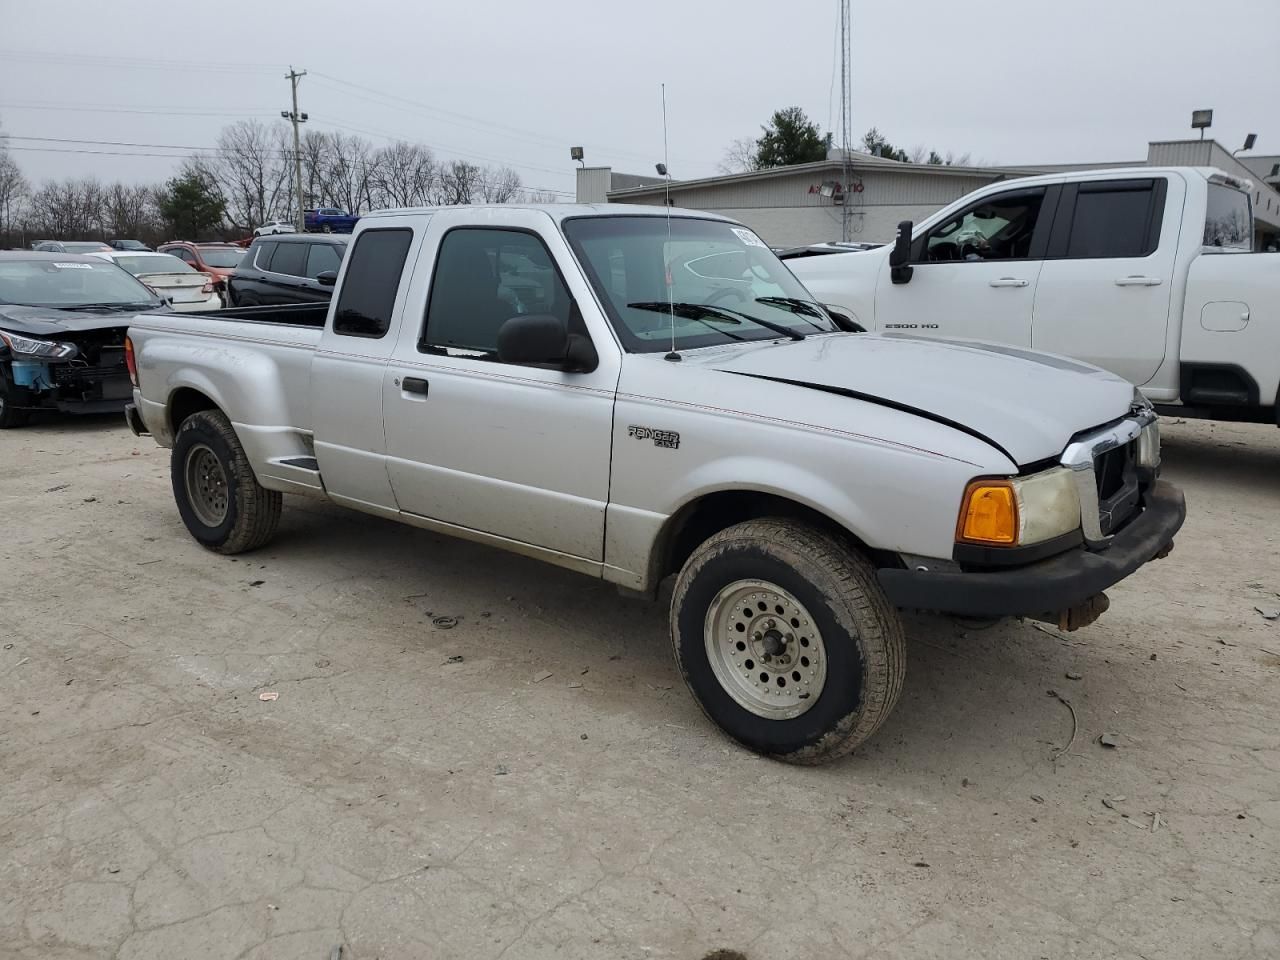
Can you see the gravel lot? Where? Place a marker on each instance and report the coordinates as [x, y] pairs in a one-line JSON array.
[[417, 792]]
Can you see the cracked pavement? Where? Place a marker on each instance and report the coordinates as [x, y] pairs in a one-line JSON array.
[[405, 806]]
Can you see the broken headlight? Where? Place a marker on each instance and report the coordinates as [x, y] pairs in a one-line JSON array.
[[21, 346]]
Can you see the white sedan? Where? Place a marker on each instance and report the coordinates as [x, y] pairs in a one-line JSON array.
[[180, 284], [273, 227]]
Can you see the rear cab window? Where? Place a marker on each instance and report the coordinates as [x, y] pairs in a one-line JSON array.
[[1228, 221], [1114, 218], [368, 292]]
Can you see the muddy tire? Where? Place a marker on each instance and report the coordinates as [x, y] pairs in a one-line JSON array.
[[218, 496], [786, 640]]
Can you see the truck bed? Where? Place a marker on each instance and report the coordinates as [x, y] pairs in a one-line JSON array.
[[291, 314]]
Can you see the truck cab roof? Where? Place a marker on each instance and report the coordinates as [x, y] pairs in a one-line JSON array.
[[556, 211]]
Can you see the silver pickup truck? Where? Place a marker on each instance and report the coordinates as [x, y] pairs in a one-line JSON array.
[[643, 393]]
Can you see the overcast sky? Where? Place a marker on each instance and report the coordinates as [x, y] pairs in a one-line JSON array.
[[518, 81]]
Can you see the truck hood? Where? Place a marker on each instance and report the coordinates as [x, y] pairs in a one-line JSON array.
[[1026, 404], [49, 322]]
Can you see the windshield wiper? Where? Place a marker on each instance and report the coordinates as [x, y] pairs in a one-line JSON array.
[[699, 311], [104, 306]]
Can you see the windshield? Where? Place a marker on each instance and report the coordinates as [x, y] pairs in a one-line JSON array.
[[56, 283], [159, 263], [130, 245], [83, 246], [634, 266], [221, 256]]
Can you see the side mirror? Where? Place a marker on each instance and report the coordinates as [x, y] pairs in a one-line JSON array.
[[327, 278], [900, 257], [542, 338]]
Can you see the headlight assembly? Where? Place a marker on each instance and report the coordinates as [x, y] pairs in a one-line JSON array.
[[1019, 511], [21, 346]]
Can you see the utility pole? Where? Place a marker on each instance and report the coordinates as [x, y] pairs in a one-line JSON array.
[[296, 118], [846, 166]]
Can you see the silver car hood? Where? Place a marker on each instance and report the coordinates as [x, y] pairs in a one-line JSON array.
[[1026, 404]]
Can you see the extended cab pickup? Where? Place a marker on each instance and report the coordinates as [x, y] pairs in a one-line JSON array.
[[1146, 272], [635, 393]]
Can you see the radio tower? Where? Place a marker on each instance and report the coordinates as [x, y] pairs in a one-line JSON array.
[[846, 167]]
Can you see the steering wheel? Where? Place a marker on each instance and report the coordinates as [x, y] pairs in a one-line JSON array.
[[724, 292]]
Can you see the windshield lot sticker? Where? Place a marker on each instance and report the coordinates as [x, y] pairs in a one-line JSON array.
[[747, 237], [661, 438], [74, 266]]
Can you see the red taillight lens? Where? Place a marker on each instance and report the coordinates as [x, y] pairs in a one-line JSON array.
[[208, 285], [130, 363]]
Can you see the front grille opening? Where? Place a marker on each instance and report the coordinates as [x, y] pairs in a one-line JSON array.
[[1111, 467]]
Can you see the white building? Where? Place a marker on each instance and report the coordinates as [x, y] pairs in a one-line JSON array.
[[806, 203]]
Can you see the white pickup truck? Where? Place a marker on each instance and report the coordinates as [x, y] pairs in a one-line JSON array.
[[1144, 271], [640, 393]]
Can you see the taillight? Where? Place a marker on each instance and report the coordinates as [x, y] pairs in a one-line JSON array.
[[208, 285], [130, 362]]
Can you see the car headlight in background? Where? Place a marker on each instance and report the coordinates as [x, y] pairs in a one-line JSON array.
[[1019, 511], [21, 346]]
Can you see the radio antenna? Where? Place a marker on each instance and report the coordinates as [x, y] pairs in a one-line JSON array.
[[665, 171]]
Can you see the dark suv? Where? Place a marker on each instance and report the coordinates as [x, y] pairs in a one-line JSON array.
[[287, 268]]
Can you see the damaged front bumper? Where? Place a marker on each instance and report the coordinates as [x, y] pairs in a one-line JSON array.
[[99, 385], [1064, 589]]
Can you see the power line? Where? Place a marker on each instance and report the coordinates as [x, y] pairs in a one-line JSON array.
[[127, 62], [157, 112], [284, 155]]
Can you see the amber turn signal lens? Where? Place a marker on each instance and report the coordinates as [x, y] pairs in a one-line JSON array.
[[130, 363], [989, 514]]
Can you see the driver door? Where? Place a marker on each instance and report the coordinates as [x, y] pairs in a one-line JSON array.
[[974, 273]]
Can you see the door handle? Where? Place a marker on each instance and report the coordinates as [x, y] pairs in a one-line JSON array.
[[414, 385], [1136, 281], [1010, 282]]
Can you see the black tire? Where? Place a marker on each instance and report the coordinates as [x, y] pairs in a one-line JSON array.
[[250, 512], [10, 416], [861, 633]]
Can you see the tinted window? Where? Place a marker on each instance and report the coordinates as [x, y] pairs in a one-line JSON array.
[[1114, 219], [1228, 222], [262, 258], [369, 288], [995, 228], [290, 258], [323, 256], [484, 278], [181, 252]]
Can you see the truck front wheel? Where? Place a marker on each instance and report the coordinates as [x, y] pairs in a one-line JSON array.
[[219, 498], [786, 640]]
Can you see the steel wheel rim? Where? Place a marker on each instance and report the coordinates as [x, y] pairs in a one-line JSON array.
[[765, 649], [206, 485]]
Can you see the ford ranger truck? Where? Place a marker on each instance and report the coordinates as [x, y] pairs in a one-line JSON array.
[[641, 394]]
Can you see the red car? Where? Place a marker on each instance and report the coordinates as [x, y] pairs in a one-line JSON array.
[[219, 260]]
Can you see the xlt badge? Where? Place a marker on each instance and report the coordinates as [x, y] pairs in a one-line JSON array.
[[660, 438]]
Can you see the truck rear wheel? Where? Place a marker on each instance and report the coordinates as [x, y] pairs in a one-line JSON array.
[[220, 500], [786, 640]]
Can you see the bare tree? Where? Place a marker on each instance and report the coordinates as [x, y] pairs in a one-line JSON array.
[[346, 164], [403, 175], [498, 185], [918, 153], [68, 209], [253, 168], [457, 183], [14, 190], [129, 210], [739, 157]]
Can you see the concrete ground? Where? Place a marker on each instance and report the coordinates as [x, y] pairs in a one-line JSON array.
[[416, 791]]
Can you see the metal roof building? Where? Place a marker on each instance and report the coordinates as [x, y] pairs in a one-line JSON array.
[[806, 203]]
